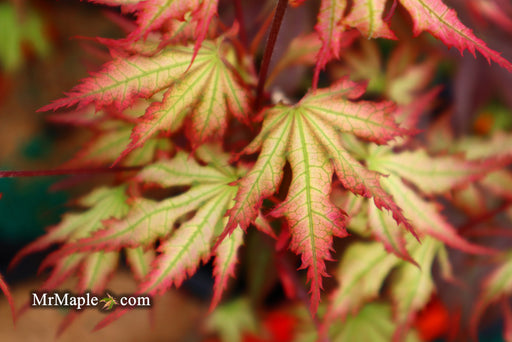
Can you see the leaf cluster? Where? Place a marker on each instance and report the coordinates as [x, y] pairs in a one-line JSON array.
[[180, 105]]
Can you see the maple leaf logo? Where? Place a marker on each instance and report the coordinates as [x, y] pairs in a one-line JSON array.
[[109, 302]]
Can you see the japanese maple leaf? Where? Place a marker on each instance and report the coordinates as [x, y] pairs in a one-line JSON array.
[[362, 271], [412, 286], [111, 137], [474, 198], [430, 176], [106, 146], [411, 176], [185, 240], [150, 219], [102, 204], [330, 29], [432, 16], [125, 79], [367, 17], [307, 135], [182, 252], [140, 260], [153, 14], [364, 268], [204, 91], [499, 147], [400, 80], [93, 269], [304, 50], [436, 18]]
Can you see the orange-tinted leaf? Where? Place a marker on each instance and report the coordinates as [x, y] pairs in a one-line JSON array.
[[104, 203], [224, 263], [307, 135], [385, 230], [182, 252], [106, 147], [205, 93], [436, 18], [140, 261], [426, 217], [123, 80], [367, 17], [147, 221], [330, 30], [435, 175], [97, 268]]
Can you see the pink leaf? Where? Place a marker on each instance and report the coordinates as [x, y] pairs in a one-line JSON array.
[[436, 18], [123, 80], [330, 29], [224, 264], [366, 16]]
